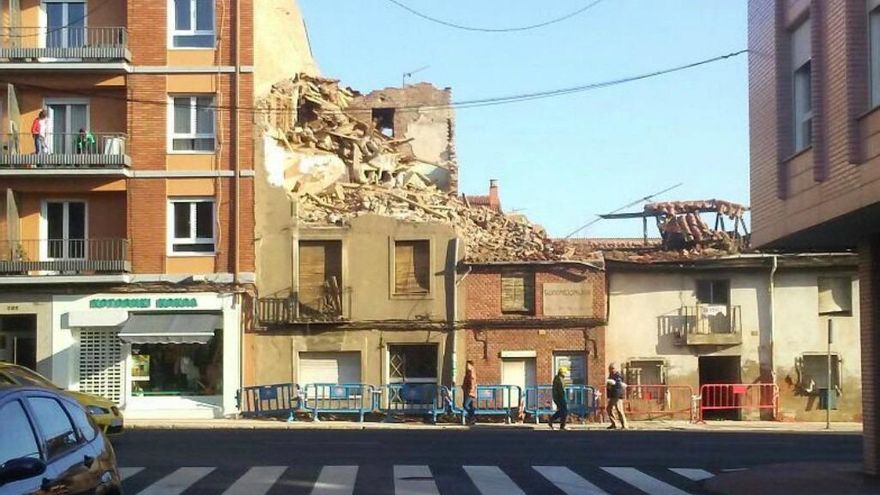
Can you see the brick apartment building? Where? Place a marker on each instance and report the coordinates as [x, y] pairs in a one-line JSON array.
[[814, 90], [132, 224]]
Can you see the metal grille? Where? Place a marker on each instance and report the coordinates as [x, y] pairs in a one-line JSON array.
[[100, 363]]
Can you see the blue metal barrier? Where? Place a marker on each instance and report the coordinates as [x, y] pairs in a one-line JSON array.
[[414, 399], [277, 400], [498, 400], [338, 398], [581, 401]]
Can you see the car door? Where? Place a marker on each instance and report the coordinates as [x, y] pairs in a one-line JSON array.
[[68, 454], [18, 439], [102, 466]]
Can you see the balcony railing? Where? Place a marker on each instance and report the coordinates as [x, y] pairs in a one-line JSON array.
[[713, 324], [72, 43], [63, 150], [64, 256], [277, 311]]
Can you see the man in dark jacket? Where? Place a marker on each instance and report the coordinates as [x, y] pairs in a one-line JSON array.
[[559, 399], [615, 390]]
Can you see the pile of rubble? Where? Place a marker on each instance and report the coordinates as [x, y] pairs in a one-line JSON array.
[[681, 226], [308, 115]]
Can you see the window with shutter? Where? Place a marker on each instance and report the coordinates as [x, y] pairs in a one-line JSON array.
[[517, 292], [320, 277], [411, 267]]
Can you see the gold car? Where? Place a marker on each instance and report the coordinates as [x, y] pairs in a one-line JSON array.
[[104, 412]]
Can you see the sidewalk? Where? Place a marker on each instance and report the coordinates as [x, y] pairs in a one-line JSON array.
[[800, 478], [306, 424]]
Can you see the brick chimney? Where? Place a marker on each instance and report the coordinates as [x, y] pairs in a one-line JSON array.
[[494, 200]]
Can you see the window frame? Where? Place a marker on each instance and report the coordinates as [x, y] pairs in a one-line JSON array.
[[392, 269], [799, 141], [192, 31], [712, 282], [836, 370], [193, 239], [827, 282], [662, 367], [193, 122], [529, 282], [36, 434], [43, 437], [873, 9]]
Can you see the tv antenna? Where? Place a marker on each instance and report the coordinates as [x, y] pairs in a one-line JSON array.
[[410, 74]]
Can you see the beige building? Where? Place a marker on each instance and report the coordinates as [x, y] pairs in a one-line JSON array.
[[743, 319]]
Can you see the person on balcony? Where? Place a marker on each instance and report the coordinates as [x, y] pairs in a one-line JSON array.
[[85, 143], [39, 131]]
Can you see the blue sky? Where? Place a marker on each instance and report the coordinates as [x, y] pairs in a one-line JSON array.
[[562, 160]]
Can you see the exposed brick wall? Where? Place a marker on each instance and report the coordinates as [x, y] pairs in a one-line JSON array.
[[146, 225], [869, 282]]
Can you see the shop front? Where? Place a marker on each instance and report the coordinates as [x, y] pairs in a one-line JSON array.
[[159, 355]]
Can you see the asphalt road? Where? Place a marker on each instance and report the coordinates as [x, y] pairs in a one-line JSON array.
[[300, 455]]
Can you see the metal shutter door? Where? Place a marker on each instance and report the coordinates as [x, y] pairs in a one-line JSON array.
[[100, 363]]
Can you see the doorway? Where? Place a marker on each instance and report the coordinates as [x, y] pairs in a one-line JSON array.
[[66, 118], [18, 340], [65, 24], [520, 372], [720, 369], [65, 230]]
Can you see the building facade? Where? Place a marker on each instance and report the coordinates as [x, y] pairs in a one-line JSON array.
[[126, 220], [814, 74]]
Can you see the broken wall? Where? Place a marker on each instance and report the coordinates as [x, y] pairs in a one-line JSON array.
[[281, 44]]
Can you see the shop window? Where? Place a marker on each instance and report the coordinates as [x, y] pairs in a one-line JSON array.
[[320, 278], [813, 372], [412, 363], [177, 369], [191, 226], [835, 295], [646, 372], [715, 292], [517, 292], [412, 267], [192, 23]]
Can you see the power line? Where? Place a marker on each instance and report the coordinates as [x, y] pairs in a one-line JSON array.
[[462, 104], [630, 205], [494, 30]]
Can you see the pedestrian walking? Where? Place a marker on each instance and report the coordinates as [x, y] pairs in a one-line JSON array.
[[469, 388], [615, 390], [39, 131], [559, 399]]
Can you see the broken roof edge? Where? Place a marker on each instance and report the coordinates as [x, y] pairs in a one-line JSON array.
[[596, 265], [844, 259]]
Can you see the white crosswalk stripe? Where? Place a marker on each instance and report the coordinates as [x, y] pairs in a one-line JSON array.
[[336, 480], [256, 481], [693, 474], [414, 480], [568, 481], [491, 480], [178, 481], [128, 472], [644, 482]]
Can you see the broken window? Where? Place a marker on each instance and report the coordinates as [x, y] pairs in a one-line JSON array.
[[384, 120], [412, 267], [835, 295], [813, 372], [713, 291], [646, 372], [320, 278], [517, 292], [412, 363]]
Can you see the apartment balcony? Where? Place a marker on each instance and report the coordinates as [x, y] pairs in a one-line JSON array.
[[65, 154], [281, 311], [41, 257], [712, 324], [70, 44]]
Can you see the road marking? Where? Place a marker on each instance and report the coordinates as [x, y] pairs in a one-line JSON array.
[[336, 480], [178, 481], [256, 481], [128, 472], [568, 481], [491, 480], [644, 482], [693, 474], [414, 480]]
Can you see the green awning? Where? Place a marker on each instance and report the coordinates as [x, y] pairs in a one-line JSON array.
[[170, 328]]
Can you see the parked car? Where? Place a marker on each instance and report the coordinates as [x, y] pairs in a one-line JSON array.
[[105, 412], [49, 444]]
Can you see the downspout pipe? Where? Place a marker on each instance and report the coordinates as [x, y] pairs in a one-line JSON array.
[[453, 323], [236, 145], [774, 264]]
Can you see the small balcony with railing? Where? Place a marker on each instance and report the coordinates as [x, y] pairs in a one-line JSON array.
[[64, 44], [84, 151], [711, 324], [64, 257], [328, 308]]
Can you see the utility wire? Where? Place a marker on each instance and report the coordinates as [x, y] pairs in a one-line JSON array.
[[463, 104], [630, 205], [494, 30]]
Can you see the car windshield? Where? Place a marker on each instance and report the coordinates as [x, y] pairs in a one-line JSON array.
[[27, 377]]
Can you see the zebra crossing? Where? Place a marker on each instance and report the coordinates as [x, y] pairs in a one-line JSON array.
[[413, 480]]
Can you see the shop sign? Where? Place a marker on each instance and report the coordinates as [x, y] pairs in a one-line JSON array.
[[144, 303], [568, 299]]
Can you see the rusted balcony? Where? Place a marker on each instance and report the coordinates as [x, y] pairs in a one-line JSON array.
[[280, 311], [712, 324], [65, 151], [64, 44], [64, 257]]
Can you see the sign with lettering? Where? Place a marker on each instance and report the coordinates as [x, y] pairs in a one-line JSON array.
[[143, 303], [568, 299]]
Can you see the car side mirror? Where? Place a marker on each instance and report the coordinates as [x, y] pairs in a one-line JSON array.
[[20, 469]]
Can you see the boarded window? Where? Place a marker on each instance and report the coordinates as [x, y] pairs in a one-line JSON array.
[[517, 292], [320, 278], [411, 267], [713, 291], [835, 295]]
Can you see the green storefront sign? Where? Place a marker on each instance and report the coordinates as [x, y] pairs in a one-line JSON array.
[[144, 303]]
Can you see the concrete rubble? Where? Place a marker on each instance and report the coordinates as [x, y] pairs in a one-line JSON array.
[[308, 115]]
